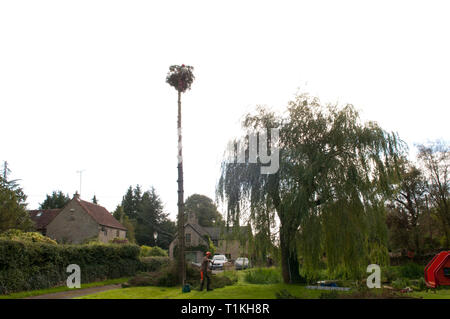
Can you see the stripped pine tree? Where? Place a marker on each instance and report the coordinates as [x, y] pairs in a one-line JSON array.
[[181, 78]]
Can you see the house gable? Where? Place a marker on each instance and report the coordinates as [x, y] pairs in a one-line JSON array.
[[73, 225]]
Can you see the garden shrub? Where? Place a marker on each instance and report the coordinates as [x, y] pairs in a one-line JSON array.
[[155, 263], [147, 251], [388, 274], [231, 274], [263, 276], [418, 284], [168, 276], [401, 283], [33, 265], [32, 237], [218, 281], [411, 271]]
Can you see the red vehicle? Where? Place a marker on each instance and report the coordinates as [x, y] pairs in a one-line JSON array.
[[437, 272]]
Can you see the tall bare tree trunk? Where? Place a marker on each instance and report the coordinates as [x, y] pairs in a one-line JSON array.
[[182, 262]]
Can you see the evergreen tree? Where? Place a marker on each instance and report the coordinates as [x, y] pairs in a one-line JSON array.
[[13, 214], [56, 200], [145, 212], [131, 201], [120, 215]]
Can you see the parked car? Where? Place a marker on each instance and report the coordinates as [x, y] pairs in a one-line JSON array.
[[218, 262], [241, 263]]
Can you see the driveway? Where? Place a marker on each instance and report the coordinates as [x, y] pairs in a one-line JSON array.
[[75, 292]]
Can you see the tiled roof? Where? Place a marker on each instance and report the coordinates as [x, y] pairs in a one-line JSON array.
[[214, 232], [100, 215], [217, 233], [199, 229], [43, 217]]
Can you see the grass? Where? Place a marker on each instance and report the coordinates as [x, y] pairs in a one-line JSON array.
[[441, 293], [241, 290], [25, 294], [237, 291], [263, 276]]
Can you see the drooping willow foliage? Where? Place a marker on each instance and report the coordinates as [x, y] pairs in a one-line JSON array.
[[329, 192]]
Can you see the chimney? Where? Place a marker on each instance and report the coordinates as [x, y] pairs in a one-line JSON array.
[[76, 196]]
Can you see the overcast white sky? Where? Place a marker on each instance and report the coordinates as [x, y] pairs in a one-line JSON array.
[[82, 83]]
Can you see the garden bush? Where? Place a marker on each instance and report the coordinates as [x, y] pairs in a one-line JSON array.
[[263, 276], [147, 251], [162, 274], [231, 274], [32, 265], [389, 274], [411, 271], [155, 263], [401, 283], [418, 284], [31, 237]]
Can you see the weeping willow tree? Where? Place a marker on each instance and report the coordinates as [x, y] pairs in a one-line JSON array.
[[329, 191]]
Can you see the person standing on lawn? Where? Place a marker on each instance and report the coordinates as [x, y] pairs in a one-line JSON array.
[[204, 272]]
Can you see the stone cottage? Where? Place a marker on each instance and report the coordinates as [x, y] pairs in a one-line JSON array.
[[77, 222], [227, 242]]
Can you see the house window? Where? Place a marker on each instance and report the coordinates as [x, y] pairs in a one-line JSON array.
[[105, 231], [188, 239], [117, 233]]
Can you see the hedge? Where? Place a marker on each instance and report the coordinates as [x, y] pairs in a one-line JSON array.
[[28, 266]]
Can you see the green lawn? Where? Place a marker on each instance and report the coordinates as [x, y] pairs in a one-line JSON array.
[[237, 291], [443, 293], [240, 290], [24, 294]]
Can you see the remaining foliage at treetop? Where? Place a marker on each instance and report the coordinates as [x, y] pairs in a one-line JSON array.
[[180, 77]]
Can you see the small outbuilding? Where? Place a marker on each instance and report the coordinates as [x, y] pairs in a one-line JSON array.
[[437, 272]]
